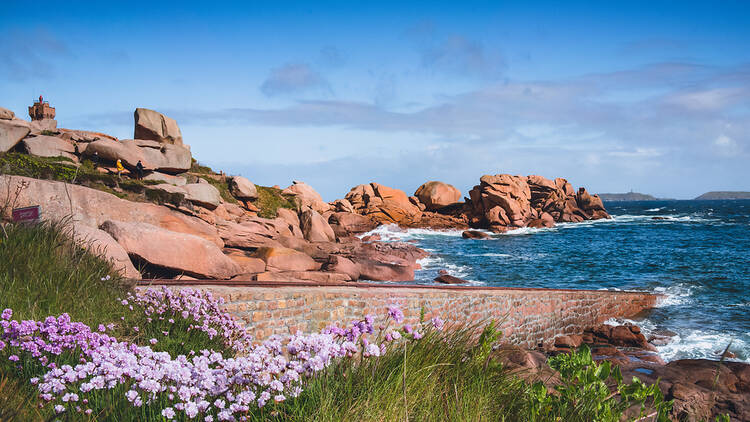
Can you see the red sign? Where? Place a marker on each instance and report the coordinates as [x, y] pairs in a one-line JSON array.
[[27, 214]]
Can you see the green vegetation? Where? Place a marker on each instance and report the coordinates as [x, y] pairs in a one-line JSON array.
[[197, 167], [450, 376], [64, 170], [223, 186], [271, 199]]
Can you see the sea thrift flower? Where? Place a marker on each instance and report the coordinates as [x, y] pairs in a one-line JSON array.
[[396, 313], [437, 323]]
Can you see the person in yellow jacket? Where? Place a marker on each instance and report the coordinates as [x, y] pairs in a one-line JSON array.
[[119, 168]]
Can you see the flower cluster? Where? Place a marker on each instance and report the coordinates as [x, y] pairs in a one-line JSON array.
[[205, 383], [43, 340], [203, 312]]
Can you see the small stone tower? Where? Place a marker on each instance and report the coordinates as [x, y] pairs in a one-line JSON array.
[[41, 110]]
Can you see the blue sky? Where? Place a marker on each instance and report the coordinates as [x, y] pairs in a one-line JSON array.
[[650, 96]]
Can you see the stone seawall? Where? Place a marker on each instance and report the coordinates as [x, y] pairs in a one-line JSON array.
[[527, 316]]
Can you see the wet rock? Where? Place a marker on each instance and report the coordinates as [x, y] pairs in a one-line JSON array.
[[449, 279], [474, 234]]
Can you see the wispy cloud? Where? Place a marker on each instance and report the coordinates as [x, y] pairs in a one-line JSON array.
[[30, 54], [293, 78]]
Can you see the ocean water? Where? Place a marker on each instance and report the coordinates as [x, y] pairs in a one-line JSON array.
[[697, 254]]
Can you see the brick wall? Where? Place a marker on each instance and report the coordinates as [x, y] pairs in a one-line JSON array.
[[526, 316]]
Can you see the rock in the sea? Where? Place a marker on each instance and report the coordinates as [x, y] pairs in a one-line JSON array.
[[152, 125], [171, 251], [701, 389], [49, 146], [474, 234], [242, 188], [101, 243], [203, 194], [11, 135], [314, 227], [435, 195], [449, 279], [307, 196], [285, 259]]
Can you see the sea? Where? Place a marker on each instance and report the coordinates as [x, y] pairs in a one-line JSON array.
[[695, 253]]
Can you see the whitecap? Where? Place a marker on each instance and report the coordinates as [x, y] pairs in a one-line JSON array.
[[392, 232], [655, 209], [677, 294]]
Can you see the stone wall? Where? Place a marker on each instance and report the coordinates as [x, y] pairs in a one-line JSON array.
[[527, 316]]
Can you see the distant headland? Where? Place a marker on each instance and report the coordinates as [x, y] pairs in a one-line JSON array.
[[713, 195], [630, 196]]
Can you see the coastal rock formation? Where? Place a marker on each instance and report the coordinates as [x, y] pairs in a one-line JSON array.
[[348, 224], [314, 227], [242, 188], [10, 135], [285, 259], [101, 243], [435, 195], [307, 196], [171, 159], [203, 194], [701, 389], [171, 253], [474, 234], [49, 146], [6, 114], [503, 201], [60, 201], [155, 126], [384, 205]]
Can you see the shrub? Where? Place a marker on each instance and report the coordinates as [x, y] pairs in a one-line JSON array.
[[271, 199]]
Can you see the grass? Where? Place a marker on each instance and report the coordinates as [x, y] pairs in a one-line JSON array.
[[271, 199], [451, 375], [443, 377]]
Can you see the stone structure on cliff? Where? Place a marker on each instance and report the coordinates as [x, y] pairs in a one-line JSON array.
[[42, 115]]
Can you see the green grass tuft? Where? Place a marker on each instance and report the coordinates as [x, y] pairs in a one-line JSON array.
[[271, 199]]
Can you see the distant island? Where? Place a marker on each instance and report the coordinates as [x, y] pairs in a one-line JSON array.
[[630, 196], [722, 195]]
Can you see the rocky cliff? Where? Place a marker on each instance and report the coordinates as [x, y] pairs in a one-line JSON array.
[[172, 218]]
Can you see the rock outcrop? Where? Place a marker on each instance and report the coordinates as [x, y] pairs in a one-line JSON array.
[[91, 207], [285, 259], [49, 146], [435, 195], [171, 253], [101, 243], [155, 126], [242, 188], [6, 114], [11, 135], [307, 196], [314, 227], [172, 159], [502, 201], [384, 205]]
